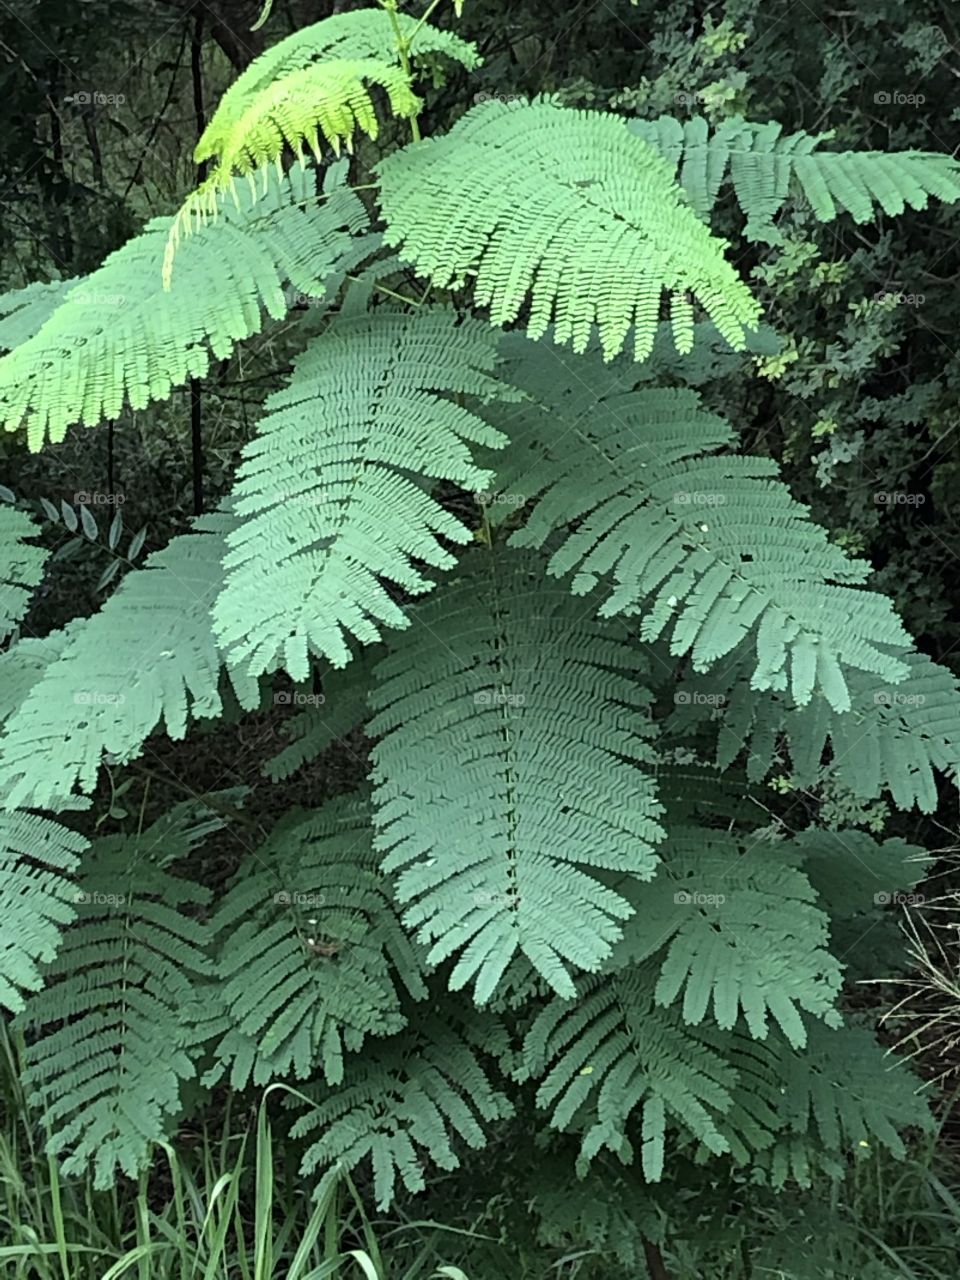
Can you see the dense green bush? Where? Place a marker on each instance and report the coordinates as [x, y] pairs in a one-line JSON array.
[[624, 723]]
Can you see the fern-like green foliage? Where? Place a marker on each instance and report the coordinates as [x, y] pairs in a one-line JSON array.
[[23, 311], [841, 1095], [510, 775], [22, 665], [310, 732], [764, 167], [857, 879], [309, 89], [610, 1209], [894, 739], [619, 1070], [660, 998], [614, 1054], [36, 856], [363, 35], [705, 547], [327, 100], [312, 954], [565, 210], [746, 934], [410, 1101], [853, 873], [21, 566], [816, 1235], [118, 338], [331, 491], [710, 359], [110, 1035], [148, 655]]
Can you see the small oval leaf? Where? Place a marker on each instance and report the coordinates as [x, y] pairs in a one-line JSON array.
[[89, 524], [116, 528], [7, 495], [108, 575], [69, 516], [136, 543], [50, 510], [69, 549]]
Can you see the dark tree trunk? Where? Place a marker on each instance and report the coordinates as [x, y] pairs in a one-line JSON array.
[[229, 23], [62, 234], [655, 1263], [196, 386]]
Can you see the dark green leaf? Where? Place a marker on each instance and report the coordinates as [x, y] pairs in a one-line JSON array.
[[136, 543], [69, 550], [108, 575], [89, 524]]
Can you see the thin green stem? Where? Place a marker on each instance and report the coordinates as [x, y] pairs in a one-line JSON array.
[[424, 18], [143, 806], [221, 810], [389, 293], [403, 52]]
